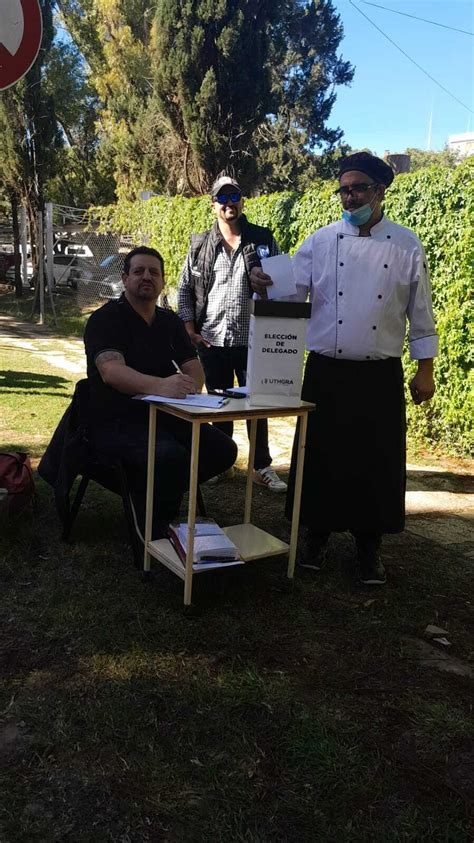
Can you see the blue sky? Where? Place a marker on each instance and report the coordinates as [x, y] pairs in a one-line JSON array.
[[389, 103]]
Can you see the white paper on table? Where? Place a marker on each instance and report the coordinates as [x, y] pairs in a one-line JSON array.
[[280, 269], [213, 402]]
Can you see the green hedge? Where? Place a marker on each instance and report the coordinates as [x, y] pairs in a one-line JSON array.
[[437, 203]]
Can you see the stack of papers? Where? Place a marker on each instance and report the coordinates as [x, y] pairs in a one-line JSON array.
[[212, 548]]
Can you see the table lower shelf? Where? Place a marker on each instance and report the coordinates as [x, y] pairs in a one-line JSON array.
[[251, 542], [254, 543]]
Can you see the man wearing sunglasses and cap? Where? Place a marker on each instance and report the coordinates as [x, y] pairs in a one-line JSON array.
[[365, 276], [213, 302]]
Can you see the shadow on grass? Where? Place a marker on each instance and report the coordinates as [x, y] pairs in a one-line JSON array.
[[439, 481], [35, 383]]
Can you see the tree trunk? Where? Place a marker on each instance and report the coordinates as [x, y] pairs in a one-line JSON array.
[[192, 187], [16, 246], [30, 210]]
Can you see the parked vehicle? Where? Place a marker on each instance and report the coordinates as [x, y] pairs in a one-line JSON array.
[[65, 257], [7, 261], [112, 287], [81, 272], [94, 281], [10, 276]]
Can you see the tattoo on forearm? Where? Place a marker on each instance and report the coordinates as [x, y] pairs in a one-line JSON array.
[[107, 356]]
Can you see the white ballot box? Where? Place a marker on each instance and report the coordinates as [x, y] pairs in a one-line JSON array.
[[277, 339]]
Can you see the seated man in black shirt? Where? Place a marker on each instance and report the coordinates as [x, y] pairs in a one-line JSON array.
[[130, 346]]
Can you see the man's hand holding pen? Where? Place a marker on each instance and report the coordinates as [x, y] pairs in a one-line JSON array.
[[178, 385]]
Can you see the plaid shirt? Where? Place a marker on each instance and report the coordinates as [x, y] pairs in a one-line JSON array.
[[227, 311]]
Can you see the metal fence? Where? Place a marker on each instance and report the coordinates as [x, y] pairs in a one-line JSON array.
[[81, 267], [6, 249], [7, 252], [85, 265]]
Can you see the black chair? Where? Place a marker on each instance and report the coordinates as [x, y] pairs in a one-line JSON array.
[[70, 455], [110, 476]]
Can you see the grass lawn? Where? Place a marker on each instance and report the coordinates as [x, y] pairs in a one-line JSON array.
[[70, 318], [273, 716]]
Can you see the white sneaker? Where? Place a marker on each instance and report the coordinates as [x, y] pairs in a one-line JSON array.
[[226, 475], [269, 478]]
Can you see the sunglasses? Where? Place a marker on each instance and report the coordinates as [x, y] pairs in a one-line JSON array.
[[355, 188], [223, 198]]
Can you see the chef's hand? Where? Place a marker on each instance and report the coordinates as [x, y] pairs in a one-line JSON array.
[[259, 281], [422, 386]]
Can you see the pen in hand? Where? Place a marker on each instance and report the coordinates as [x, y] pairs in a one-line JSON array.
[[192, 389]]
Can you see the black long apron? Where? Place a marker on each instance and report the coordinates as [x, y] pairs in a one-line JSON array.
[[355, 457]]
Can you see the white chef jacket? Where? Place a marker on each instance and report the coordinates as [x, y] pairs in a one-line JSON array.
[[363, 288]]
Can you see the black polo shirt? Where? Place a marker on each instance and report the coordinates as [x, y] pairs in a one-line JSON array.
[[147, 348]]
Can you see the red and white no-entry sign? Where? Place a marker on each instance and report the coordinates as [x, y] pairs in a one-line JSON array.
[[21, 29]]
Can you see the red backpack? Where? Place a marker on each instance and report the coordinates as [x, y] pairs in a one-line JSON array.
[[16, 476]]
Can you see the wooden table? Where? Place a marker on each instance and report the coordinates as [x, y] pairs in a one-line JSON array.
[[251, 541]]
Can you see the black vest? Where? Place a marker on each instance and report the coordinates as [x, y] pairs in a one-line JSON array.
[[203, 256]]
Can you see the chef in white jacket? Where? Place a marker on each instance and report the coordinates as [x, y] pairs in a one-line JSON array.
[[365, 275]]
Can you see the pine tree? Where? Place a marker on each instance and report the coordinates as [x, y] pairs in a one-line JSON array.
[[213, 80], [242, 84], [115, 39], [305, 71], [190, 87]]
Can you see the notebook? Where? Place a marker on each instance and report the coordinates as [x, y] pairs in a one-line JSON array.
[[211, 545]]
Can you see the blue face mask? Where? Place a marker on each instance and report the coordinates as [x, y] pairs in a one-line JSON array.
[[359, 216]]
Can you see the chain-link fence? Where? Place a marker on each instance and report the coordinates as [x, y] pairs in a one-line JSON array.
[[87, 265], [7, 255], [16, 267], [81, 268]]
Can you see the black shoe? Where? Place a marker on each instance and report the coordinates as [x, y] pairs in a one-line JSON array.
[[312, 556], [372, 571]]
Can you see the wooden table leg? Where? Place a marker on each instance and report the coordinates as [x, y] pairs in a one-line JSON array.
[[193, 483], [150, 484], [249, 484], [297, 496]]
